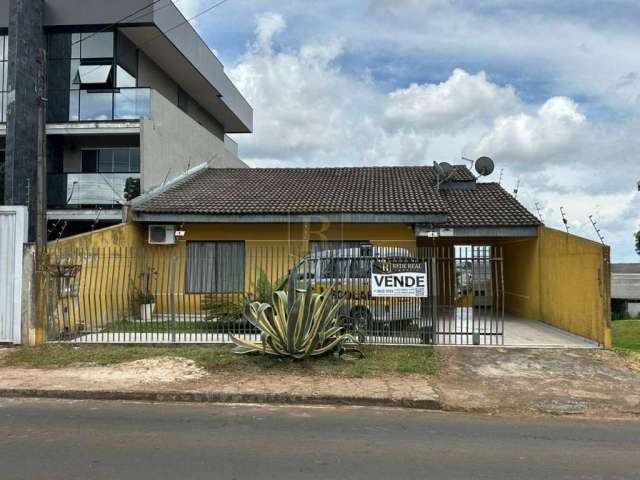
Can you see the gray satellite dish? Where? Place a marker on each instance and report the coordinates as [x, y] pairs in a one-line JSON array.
[[484, 166], [447, 168], [439, 170]]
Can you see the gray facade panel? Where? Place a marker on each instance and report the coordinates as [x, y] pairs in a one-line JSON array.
[[25, 30]]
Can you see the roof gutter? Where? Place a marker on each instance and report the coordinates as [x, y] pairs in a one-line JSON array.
[[149, 217]]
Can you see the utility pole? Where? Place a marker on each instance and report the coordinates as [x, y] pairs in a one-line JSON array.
[[41, 195]]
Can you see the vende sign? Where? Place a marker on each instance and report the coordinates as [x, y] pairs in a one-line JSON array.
[[399, 279]]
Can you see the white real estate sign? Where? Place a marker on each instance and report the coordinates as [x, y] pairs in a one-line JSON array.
[[399, 279]]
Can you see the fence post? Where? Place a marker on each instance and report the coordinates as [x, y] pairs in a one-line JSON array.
[[40, 322], [172, 299], [434, 298]]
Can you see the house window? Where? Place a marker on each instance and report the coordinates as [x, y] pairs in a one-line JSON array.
[[215, 267], [111, 160]]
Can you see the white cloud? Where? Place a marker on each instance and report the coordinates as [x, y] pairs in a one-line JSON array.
[[535, 139], [309, 111], [453, 104]]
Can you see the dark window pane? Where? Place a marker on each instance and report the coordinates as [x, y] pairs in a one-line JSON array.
[[135, 160], [95, 105], [59, 45], [2, 77], [89, 161], [97, 45], [127, 54], [3, 107], [105, 161], [58, 74], [121, 160]]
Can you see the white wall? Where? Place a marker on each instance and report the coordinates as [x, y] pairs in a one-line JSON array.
[[171, 142]]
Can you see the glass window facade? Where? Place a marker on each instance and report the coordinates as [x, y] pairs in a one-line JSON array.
[[111, 160], [92, 77], [4, 68]]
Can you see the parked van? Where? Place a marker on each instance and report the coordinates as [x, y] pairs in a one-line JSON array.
[[349, 271]]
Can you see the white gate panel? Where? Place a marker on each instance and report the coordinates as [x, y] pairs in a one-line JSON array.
[[13, 233]]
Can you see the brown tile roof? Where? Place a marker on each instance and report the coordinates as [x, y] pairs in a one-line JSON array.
[[486, 205], [400, 190]]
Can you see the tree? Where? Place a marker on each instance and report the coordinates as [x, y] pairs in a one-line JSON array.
[[638, 242]]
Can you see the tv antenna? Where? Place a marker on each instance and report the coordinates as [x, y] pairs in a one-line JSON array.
[[539, 212], [500, 178], [564, 219], [515, 190], [595, 227]]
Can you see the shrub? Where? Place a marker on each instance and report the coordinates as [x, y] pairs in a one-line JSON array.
[[297, 324]]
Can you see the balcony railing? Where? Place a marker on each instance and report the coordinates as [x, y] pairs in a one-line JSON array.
[[98, 105], [87, 189]]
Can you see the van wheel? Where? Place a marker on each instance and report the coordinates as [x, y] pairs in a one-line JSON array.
[[362, 319]]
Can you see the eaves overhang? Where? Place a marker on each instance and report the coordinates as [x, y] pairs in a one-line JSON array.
[[383, 218]]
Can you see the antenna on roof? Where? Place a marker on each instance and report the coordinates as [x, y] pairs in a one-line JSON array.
[[444, 171], [515, 190], [500, 178], [539, 212], [595, 227], [564, 219]]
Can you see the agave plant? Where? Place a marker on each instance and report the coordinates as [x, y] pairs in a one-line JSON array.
[[298, 324]]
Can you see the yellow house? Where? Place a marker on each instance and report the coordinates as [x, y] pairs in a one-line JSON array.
[[226, 233]]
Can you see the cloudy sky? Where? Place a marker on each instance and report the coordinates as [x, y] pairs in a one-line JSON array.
[[549, 89]]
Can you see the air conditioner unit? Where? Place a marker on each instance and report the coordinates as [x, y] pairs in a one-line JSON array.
[[162, 235]]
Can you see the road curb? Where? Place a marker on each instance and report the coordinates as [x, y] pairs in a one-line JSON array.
[[220, 397]]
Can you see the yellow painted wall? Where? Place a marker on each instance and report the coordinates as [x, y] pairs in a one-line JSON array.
[[115, 260], [562, 280], [574, 292]]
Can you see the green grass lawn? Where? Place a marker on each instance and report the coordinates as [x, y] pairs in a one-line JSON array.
[[377, 360], [626, 339], [626, 334]]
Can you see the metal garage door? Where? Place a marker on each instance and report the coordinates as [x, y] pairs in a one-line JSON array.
[[13, 233]]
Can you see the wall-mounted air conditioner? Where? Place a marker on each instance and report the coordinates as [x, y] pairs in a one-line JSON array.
[[162, 235]]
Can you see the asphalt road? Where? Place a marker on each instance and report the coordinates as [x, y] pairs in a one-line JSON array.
[[46, 439]]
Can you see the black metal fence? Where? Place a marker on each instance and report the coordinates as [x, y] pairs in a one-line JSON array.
[[195, 292]]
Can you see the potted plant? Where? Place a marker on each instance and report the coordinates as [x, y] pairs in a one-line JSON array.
[[143, 295], [147, 302]]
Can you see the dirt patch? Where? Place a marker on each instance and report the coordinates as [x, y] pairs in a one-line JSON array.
[[151, 371], [556, 381]]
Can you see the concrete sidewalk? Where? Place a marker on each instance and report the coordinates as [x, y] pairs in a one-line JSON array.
[[592, 383]]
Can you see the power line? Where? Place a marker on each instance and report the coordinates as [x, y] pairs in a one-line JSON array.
[[109, 27], [186, 20], [161, 34]]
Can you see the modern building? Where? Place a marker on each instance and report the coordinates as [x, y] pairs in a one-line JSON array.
[[132, 92], [625, 290]]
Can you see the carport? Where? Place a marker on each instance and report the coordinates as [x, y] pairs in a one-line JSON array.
[[539, 287]]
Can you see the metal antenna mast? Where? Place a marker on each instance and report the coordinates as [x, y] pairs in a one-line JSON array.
[[564, 219], [539, 212], [500, 178], [595, 227], [515, 191]]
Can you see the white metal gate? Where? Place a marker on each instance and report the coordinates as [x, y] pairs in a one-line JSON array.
[[13, 233]]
